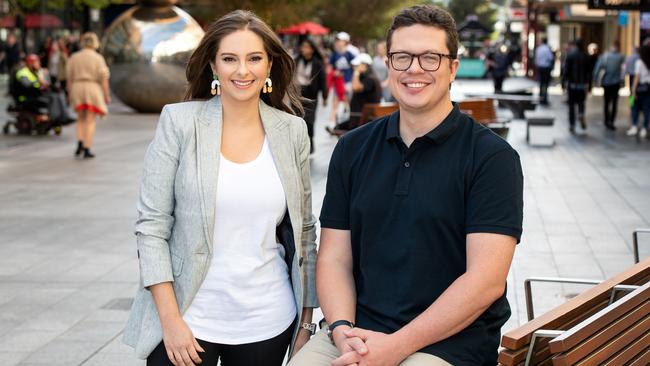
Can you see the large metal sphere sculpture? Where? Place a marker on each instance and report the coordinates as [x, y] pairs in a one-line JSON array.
[[147, 48]]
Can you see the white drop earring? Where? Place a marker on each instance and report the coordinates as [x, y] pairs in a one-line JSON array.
[[216, 86], [268, 85]]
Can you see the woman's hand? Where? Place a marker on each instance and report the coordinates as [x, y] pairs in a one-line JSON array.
[[180, 344], [107, 98]]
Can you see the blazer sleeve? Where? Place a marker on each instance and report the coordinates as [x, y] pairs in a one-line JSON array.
[[308, 224], [156, 204]]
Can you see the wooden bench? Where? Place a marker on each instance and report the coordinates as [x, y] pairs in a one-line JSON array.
[[373, 111], [483, 112], [517, 103], [597, 301], [369, 113]]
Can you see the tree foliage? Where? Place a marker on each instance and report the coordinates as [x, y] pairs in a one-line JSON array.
[[363, 19], [483, 9]]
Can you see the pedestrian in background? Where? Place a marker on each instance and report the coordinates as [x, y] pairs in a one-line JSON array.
[[499, 67], [575, 79], [381, 70], [593, 52], [87, 82], [608, 72], [311, 77], [630, 62], [226, 236], [544, 60], [641, 88], [340, 75], [12, 53]]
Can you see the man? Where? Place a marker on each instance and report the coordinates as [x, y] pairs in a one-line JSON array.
[[381, 70], [576, 77], [421, 215], [544, 59], [609, 72], [500, 63], [30, 83]]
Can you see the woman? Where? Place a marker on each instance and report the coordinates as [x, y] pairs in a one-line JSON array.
[[312, 80], [225, 192], [87, 83], [641, 87]]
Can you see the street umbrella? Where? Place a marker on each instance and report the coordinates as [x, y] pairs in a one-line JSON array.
[[305, 28]]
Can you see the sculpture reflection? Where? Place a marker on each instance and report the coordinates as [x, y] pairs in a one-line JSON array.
[[147, 49]]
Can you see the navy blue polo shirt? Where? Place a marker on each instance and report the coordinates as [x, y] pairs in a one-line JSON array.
[[409, 210]]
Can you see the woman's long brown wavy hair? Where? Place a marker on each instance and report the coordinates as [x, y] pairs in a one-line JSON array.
[[199, 73]]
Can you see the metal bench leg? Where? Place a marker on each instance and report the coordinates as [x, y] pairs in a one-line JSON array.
[[635, 240], [542, 333]]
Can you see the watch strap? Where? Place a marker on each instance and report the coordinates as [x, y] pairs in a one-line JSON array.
[[335, 324]]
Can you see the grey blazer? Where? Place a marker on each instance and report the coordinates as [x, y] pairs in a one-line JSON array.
[[177, 204]]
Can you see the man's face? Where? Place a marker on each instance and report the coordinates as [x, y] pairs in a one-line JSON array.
[[416, 89]]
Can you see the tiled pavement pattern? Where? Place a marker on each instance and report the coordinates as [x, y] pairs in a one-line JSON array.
[[67, 254]]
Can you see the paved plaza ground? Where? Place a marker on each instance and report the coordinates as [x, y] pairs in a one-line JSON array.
[[68, 267]]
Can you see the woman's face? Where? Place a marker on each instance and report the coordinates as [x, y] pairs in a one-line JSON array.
[[242, 65], [306, 50]]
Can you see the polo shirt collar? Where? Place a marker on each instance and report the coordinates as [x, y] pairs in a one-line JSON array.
[[438, 135]]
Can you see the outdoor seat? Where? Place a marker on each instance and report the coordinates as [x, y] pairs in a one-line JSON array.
[[369, 113], [483, 112], [598, 321]]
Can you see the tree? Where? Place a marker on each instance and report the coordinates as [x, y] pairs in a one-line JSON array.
[[483, 9]]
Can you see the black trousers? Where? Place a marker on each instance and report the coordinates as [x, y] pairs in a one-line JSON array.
[[498, 83], [270, 352], [310, 113], [544, 81], [576, 99], [611, 102]]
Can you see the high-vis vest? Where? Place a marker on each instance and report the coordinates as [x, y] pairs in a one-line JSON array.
[[25, 72]]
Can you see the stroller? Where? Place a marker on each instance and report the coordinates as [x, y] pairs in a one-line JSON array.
[[38, 114]]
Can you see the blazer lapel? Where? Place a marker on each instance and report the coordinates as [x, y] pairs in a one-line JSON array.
[[276, 129], [208, 137]]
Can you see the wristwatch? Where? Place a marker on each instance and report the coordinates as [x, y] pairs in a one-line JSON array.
[[335, 324], [311, 327]]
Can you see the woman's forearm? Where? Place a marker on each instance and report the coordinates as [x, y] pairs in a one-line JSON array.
[[165, 300]]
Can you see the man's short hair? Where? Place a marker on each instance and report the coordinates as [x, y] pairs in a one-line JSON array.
[[426, 15]]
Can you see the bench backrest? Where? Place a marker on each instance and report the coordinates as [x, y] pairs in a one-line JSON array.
[[567, 315], [372, 111], [611, 335], [482, 110]]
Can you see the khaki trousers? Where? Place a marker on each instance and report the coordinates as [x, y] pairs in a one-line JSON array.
[[319, 351]]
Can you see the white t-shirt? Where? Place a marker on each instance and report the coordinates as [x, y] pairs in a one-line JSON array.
[[641, 70], [247, 295]]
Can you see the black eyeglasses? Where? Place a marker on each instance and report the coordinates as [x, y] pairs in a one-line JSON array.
[[429, 61]]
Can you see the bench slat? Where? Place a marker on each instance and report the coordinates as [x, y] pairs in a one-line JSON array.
[[642, 359], [584, 349], [541, 346], [603, 318], [627, 354], [601, 353], [553, 319]]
